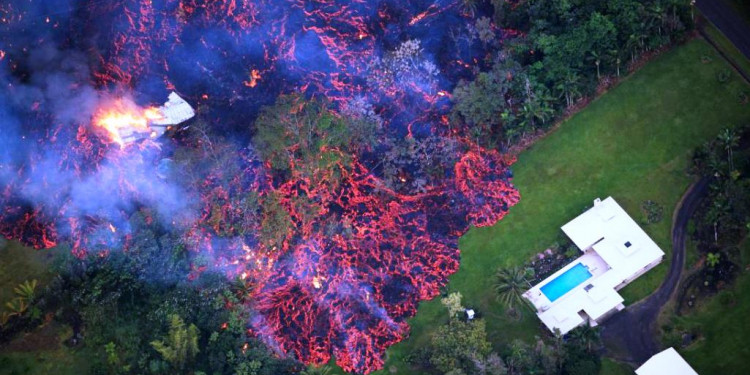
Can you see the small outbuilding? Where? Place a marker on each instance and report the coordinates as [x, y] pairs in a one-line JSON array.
[[668, 362]]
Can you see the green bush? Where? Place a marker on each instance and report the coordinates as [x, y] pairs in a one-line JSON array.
[[727, 298], [723, 75], [654, 212]]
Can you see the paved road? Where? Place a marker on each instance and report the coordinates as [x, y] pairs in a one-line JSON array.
[[727, 20], [630, 334]]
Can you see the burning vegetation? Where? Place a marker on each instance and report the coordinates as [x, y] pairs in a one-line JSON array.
[[339, 208]]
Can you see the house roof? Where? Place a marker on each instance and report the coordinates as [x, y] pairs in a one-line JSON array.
[[175, 111], [616, 250], [668, 362]]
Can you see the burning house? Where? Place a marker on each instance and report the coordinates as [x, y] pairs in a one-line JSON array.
[[126, 124]]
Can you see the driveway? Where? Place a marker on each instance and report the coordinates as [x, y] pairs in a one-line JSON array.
[[630, 335], [726, 19]]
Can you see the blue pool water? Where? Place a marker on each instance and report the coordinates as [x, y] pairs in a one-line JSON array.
[[565, 282]]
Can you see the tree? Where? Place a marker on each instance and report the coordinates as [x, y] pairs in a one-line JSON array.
[[26, 289], [712, 259], [569, 87], [458, 344], [510, 284], [453, 303], [729, 140], [519, 358], [296, 132], [594, 56], [181, 344], [586, 337], [479, 102], [469, 6]]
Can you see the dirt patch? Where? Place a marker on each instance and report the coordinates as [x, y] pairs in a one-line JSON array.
[[46, 337]]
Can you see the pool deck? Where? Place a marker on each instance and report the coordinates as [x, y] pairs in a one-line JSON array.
[[590, 259]]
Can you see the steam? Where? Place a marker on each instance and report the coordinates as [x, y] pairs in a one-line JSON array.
[[41, 111]]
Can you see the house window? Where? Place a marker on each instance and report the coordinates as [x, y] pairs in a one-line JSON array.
[[628, 244]]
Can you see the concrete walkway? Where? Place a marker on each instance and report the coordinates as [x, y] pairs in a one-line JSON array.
[[726, 19], [630, 335]]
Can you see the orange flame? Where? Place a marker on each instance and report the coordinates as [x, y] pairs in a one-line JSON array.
[[124, 118], [254, 78]]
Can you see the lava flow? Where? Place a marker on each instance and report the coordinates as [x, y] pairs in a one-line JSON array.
[[358, 242]]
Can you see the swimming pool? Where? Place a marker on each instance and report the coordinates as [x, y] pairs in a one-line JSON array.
[[565, 282]]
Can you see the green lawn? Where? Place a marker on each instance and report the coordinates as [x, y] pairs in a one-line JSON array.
[[633, 143], [610, 367], [20, 264], [722, 348], [40, 351]]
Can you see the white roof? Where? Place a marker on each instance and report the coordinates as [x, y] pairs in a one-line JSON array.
[[668, 362], [616, 251], [175, 111]]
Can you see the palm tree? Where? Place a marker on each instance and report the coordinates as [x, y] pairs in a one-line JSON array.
[[712, 259], [469, 6], [569, 87], [26, 289], [597, 59], [730, 140], [535, 109], [586, 336], [17, 306], [615, 55], [181, 345], [510, 284]]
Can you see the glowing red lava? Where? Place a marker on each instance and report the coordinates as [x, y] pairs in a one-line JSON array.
[[357, 256]]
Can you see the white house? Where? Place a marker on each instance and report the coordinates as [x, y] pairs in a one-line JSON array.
[[668, 362], [615, 252]]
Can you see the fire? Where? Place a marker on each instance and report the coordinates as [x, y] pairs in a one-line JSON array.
[[316, 282], [254, 78], [124, 119]]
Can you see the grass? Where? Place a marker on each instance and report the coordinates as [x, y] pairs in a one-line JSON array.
[[722, 348], [610, 367], [633, 143], [59, 362], [40, 351], [726, 46], [20, 264]]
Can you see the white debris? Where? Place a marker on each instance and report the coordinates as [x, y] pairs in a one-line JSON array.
[[174, 112]]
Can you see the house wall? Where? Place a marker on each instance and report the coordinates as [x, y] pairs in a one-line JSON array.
[[639, 273]]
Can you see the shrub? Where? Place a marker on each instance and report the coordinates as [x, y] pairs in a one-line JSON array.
[[723, 75], [654, 212], [727, 298], [742, 97]]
